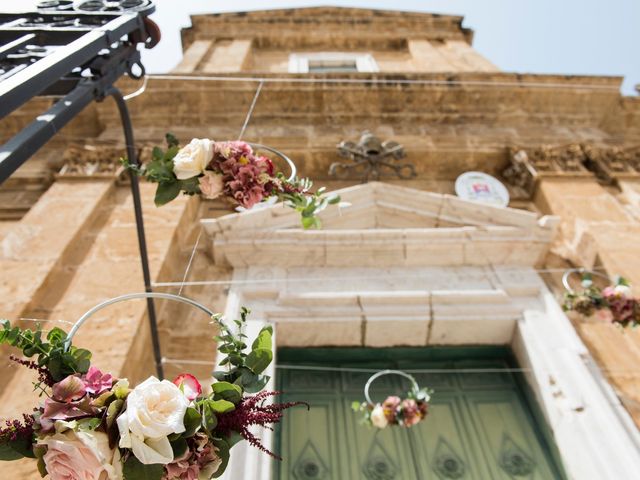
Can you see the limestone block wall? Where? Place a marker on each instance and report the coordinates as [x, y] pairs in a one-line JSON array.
[[74, 249], [598, 230]]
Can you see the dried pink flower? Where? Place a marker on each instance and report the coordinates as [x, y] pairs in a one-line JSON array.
[[200, 457]]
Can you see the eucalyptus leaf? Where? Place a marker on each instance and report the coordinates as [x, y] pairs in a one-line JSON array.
[[15, 450], [227, 391], [134, 470], [257, 385], [179, 447], [166, 192], [259, 359], [192, 422], [223, 453], [221, 406]]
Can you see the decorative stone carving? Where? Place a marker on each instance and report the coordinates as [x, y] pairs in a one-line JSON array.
[[609, 163], [369, 156], [528, 164], [91, 161]]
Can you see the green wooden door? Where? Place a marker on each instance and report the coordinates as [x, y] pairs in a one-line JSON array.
[[480, 426]]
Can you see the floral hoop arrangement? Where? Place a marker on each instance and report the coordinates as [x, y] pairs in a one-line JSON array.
[[93, 426], [232, 170], [612, 304], [404, 412]]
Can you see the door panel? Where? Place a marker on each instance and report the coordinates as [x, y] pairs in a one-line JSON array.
[[479, 426]]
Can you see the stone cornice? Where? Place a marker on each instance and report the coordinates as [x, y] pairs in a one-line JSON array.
[[302, 25]]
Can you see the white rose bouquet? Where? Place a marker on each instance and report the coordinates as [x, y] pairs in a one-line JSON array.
[[232, 170], [92, 426]]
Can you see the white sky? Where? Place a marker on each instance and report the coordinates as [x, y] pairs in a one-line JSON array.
[[593, 37]]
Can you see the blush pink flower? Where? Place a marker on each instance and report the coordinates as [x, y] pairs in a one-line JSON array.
[[96, 382], [189, 385], [211, 184], [199, 461], [390, 407]]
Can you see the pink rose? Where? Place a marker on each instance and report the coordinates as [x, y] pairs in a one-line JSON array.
[[189, 385], [82, 455], [211, 184]]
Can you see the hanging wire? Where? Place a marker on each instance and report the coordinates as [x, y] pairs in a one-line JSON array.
[[197, 283], [454, 370], [250, 112], [193, 254]]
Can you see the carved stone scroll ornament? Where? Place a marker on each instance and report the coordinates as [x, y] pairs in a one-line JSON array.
[[91, 161], [368, 157]]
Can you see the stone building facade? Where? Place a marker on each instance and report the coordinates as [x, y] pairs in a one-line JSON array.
[[406, 265]]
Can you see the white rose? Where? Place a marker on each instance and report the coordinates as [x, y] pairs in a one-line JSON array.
[[82, 455], [378, 418], [623, 291], [155, 409], [192, 159]]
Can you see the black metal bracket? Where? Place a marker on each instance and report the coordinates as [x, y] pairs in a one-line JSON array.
[[78, 55]]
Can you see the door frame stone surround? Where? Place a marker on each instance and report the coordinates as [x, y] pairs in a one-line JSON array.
[[376, 298]]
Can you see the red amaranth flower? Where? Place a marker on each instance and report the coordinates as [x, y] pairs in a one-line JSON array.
[[14, 430], [44, 376], [253, 411]]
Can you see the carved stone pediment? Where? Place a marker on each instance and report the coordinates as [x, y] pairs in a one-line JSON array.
[[385, 225], [82, 161]]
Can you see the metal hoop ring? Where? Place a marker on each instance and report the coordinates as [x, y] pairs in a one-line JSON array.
[[292, 166], [569, 272], [131, 296], [381, 373]]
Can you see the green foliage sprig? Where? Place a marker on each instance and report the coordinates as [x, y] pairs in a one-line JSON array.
[[50, 351], [308, 204], [244, 368], [160, 170]]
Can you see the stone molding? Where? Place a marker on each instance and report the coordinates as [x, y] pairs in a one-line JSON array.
[[91, 162], [607, 163]]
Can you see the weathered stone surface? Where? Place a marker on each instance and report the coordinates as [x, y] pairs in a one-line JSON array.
[[72, 244]]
